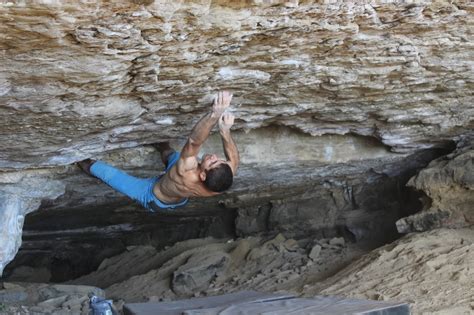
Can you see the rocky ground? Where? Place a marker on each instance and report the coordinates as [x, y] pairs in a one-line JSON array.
[[204, 267], [415, 269], [42, 298], [433, 271]]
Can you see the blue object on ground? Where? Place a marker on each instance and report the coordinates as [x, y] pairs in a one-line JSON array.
[[100, 306]]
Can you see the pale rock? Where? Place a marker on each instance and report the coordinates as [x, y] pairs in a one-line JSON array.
[[237, 256], [11, 286], [18, 197], [398, 271], [54, 302], [347, 84], [291, 245], [314, 253], [74, 85], [12, 296], [42, 298], [337, 241], [448, 187], [198, 272]]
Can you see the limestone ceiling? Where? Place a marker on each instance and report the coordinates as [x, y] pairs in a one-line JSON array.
[[81, 78]]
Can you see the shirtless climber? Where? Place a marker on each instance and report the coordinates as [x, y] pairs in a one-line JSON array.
[[185, 176]]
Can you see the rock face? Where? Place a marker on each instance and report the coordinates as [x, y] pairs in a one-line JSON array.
[[80, 79], [198, 272], [432, 271], [20, 194], [335, 104], [448, 184], [90, 221]]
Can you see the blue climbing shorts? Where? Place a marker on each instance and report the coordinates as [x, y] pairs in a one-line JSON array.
[[139, 189]]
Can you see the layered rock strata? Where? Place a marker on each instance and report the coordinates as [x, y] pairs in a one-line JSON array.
[[448, 193], [77, 79], [82, 80], [287, 193], [431, 270], [212, 267]]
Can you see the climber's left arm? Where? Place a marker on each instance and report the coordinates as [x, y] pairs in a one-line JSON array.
[[230, 149], [200, 132]]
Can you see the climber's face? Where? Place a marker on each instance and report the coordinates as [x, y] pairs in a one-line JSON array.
[[210, 161]]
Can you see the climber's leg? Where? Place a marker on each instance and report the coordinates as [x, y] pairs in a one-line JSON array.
[[165, 151], [139, 189]]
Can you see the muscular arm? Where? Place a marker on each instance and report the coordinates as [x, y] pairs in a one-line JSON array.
[[199, 134], [201, 131], [230, 149]]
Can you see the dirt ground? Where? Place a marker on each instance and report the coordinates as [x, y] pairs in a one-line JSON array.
[[432, 271]]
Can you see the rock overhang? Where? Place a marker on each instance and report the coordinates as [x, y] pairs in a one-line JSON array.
[[78, 80], [354, 83]]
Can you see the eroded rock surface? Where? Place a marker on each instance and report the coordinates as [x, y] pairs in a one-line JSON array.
[[432, 271], [448, 185], [325, 94], [43, 298], [360, 199], [77, 79], [213, 267], [20, 194]]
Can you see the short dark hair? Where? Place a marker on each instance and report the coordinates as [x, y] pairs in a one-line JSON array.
[[219, 178]]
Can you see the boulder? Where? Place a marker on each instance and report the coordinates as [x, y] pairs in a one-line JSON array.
[[198, 272], [448, 187]]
